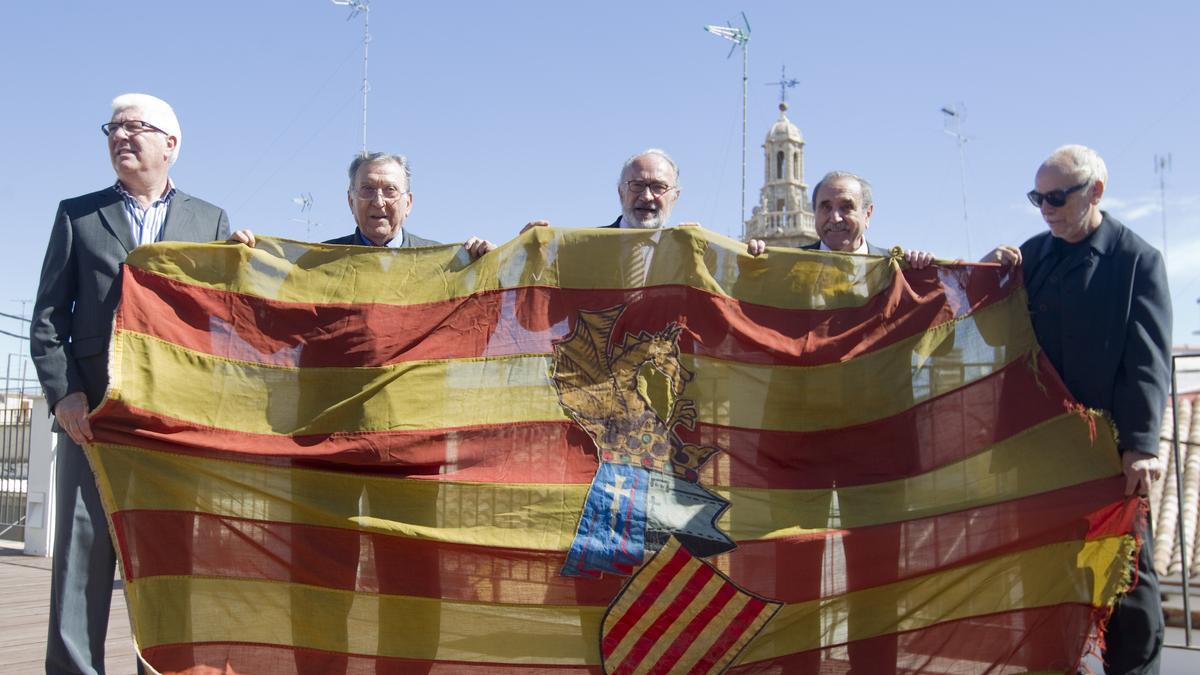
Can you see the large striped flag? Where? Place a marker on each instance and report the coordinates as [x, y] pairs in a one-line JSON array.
[[323, 459]]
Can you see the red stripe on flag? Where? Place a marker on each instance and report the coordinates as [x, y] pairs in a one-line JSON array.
[[645, 600], [694, 629], [524, 320], [787, 569], [790, 569], [167, 543], [669, 615]]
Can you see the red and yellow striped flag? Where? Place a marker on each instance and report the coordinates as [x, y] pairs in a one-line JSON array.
[[324, 459]]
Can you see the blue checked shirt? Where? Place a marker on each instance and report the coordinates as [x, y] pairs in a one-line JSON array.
[[146, 225]]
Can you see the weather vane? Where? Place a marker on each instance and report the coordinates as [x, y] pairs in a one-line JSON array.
[[739, 38], [784, 84]]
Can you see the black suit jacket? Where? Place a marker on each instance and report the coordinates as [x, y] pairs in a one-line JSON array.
[[616, 223], [872, 249], [78, 292], [410, 240], [1110, 338]]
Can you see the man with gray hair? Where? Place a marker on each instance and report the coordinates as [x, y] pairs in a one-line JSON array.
[[1101, 311], [380, 198], [69, 335], [648, 187]]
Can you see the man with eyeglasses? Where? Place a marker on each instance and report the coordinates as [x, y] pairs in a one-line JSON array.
[[69, 334], [1101, 311], [380, 199], [648, 189]]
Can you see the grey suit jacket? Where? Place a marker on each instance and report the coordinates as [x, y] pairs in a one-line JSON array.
[[79, 288], [410, 240]]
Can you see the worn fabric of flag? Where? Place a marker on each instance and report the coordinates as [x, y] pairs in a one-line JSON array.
[[323, 459], [680, 615]]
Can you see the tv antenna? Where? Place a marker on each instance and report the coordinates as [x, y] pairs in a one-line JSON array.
[[1161, 166], [305, 202], [362, 7], [739, 38], [784, 84], [953, 121]]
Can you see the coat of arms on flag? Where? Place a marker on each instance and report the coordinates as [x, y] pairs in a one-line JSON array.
[[645, 489]]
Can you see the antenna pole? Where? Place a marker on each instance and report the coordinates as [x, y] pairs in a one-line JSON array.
[[739, 38], [745, 97], [366, 84], [954, 117], [361, 7], [1161, 166]]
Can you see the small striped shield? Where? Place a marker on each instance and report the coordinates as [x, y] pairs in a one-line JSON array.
[[678, 614]]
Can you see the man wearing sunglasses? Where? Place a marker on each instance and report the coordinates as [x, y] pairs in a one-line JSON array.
[[72, 320], [1101, 310]]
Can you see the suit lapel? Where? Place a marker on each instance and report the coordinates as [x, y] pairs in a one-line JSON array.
[[179, 219], [113, 217]]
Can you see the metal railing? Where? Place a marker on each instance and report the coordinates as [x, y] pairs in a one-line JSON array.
[[1178, 478], [14, 469]]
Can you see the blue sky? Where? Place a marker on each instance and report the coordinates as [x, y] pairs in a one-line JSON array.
[[516, 111]]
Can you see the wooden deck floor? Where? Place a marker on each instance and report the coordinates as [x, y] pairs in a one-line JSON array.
[[25, 609]]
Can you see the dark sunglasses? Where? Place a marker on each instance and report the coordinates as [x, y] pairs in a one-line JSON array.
[[1055, 198]]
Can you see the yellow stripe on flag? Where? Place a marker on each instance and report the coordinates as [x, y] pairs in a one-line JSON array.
[[180, 383], [248, 611], [291, 271]]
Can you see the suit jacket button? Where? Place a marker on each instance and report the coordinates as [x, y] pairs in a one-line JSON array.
[[1042, 307]]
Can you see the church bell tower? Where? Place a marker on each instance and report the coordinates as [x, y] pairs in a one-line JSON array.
[[783, 216]]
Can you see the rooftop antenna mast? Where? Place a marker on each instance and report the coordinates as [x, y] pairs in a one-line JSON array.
[[362, 7], [739, 38], [305, 202], [784, 84], [1161, 166], [953, 121]]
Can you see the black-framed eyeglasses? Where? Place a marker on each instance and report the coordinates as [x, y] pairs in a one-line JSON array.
[[1055, 198], [657, 189], [131, 127], [390, 193]]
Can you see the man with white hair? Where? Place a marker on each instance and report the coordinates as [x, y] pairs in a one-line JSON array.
[[1101, 310], [647, 188], [69, 335]]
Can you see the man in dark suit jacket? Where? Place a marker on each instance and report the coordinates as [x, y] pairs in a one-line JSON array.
[[380, 198], [648, 187], [72, 322], [1101, 310], [842, 207]]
